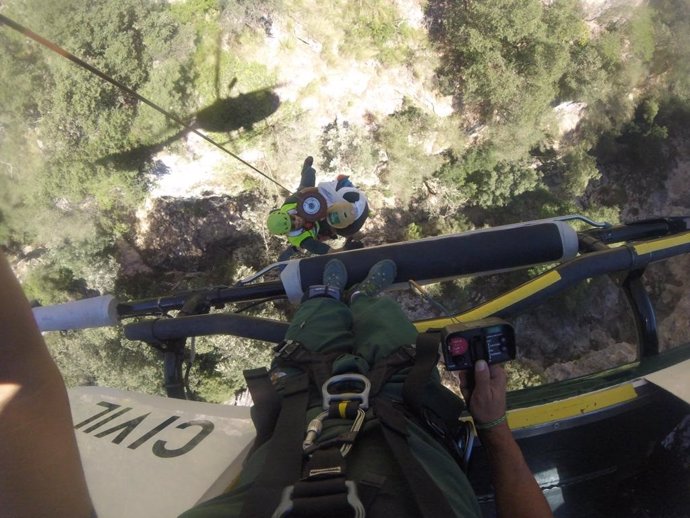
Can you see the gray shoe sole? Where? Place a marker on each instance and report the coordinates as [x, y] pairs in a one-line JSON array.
[[335, 274], [381, 275]]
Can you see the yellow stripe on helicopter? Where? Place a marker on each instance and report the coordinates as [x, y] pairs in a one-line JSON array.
[[570, 407], [492, 307], [661, 244]]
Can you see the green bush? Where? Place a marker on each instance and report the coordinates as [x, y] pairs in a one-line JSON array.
[[641, 153], [218, 373], [375, 29], [403, 137], [506, 58], [105, 358], [487, 182], [569, 174], [537, 204], [51, 284], [521, 375]]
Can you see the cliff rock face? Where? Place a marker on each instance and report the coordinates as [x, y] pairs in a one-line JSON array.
[[197, 234], [615, 354], [668, 281]]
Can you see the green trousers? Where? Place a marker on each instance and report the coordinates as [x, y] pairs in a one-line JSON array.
[[370, 329]]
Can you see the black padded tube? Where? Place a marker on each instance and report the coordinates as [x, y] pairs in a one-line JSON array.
[[162, 329], [450, 256]]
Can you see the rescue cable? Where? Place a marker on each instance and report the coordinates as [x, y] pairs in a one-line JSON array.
[[83, 64]]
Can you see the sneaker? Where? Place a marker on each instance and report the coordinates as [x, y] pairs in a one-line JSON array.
[[335, 274], [380, 276]]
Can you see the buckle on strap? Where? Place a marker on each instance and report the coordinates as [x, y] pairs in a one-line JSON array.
[[322, 290], [287, 504], [345, 440], [362, 396], [286, 348], [340, 405]]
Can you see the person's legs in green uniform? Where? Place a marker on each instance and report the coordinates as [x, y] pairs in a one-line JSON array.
[[372, 327], [322, 324], [380, 327]]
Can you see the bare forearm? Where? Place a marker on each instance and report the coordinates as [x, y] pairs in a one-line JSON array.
[[23, 354], [40, 469], [41, 473], [517, 492]]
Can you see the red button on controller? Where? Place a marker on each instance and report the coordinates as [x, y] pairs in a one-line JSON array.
[[458, 345]]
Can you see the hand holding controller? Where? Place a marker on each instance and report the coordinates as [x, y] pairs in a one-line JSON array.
[[490, 339]]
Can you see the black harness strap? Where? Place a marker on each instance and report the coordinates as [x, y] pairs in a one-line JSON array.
[[369, 487], [267, 400], [426, 358], [429, 498], [323, 490], [439, 412], [383, 369], [325, 498], [266, 408], [318, 365], [284, 456]]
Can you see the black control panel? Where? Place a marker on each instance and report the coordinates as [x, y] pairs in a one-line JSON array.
[[490, 339]]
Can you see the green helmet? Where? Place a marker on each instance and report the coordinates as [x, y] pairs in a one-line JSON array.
[[279, 222]]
